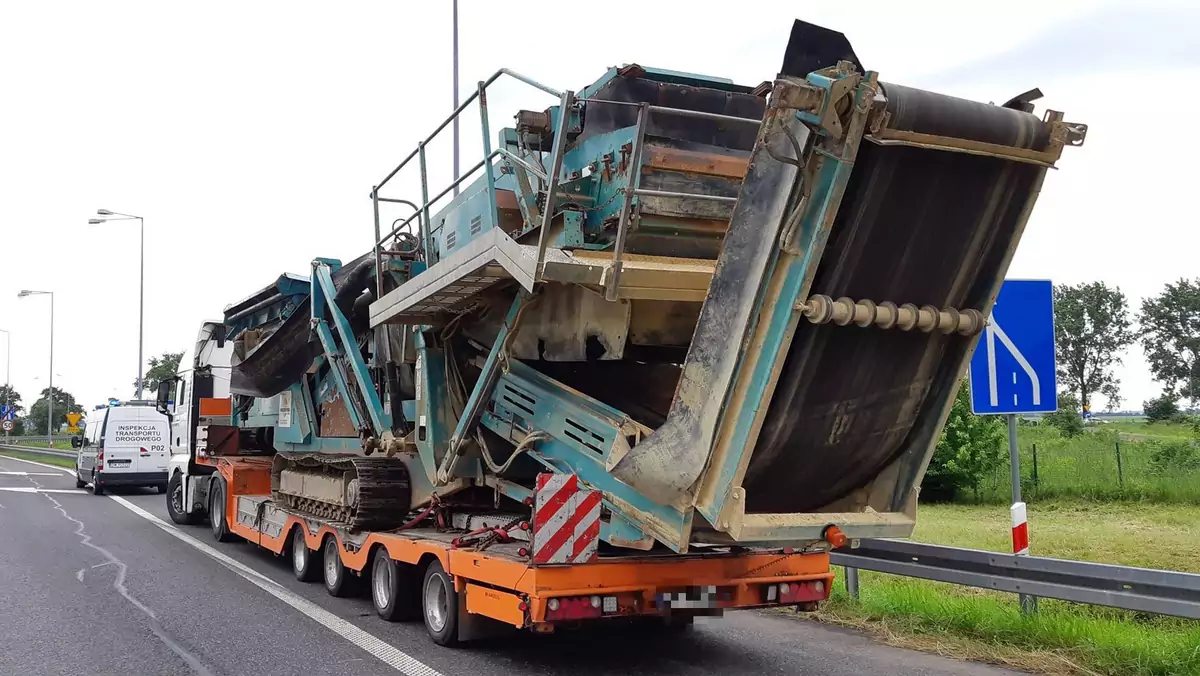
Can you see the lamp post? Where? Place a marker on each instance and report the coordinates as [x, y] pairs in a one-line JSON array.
[[455, 86], [7, 372], [50, 396], [114, 216]]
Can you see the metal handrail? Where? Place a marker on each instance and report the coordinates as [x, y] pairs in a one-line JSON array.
[[424, 229], [503, 71]]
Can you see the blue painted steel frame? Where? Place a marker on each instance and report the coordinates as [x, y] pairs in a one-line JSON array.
[[525, 400], [797, 270], [323, 293]]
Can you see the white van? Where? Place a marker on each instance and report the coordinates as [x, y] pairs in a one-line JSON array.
[[124, 445]]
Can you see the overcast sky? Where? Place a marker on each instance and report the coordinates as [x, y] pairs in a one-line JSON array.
[[249, 134]]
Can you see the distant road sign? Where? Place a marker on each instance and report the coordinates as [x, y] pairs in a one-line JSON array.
[[8, 412], [7, 425], [72, 430], [1012, 370], [73, 421]]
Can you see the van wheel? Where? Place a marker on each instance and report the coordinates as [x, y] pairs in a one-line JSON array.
[[337, 582], [97, 489], [162, 488], [439, 605], [216, 511], [175, 502], [302, 558], [393, 588], [79, 483]]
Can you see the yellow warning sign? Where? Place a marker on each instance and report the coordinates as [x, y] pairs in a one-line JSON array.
[[73, 420], [72, 430]]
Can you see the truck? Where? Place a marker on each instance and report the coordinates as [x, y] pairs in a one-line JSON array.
[[671, 341]]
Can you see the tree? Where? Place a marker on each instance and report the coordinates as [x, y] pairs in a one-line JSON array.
[[9, 395], [1091, 326], [1162, 408], [64, 403], [971, 447], [1066, 419], [160, 369], [1171, 335]]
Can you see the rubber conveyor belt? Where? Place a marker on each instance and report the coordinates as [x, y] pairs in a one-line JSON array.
[[280, 359], [916, 225]]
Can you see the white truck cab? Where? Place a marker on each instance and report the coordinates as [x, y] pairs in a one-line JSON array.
[[124, 444], [203, 374]]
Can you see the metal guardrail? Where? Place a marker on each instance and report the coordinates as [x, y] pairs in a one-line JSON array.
[[40, 451], [1138, 589]]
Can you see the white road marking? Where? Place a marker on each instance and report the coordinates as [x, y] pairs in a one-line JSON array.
[[64, 470], [30, 474], [32, 489], [384, 651]]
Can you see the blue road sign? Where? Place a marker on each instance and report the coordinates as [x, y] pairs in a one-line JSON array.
[[1012, 370], [7, 412]]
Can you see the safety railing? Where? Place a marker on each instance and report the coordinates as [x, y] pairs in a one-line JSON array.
[[634, 189], [551, 177], [421, 213]]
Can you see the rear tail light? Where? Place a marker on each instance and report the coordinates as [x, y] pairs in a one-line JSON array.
[[801, 591], [574, 608], [100, 457]]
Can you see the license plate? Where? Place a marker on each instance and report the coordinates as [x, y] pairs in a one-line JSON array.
[[119, 463]]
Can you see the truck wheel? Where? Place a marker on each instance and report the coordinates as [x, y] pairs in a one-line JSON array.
[[216, 511], [97, 489], [175, 502], [302, 558], [337, 582], [439, 603], [392, 588]]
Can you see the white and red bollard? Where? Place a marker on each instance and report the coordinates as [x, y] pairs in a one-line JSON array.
[[1020, 545]]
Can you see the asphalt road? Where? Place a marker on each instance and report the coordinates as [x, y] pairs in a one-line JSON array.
[[106, 585]]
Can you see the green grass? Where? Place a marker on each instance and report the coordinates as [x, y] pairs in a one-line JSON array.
[[1062, 638], [1085, 467], [41, 443], [45, 459]]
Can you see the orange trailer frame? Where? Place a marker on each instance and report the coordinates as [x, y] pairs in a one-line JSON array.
[[500, 585]]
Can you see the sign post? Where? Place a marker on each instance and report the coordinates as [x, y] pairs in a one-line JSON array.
[[1013, 372]]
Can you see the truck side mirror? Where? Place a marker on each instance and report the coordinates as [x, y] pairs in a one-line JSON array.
[[164, 395]]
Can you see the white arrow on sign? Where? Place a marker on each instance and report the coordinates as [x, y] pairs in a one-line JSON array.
[[993, 331]]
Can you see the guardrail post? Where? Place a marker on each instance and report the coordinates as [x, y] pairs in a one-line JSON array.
[[852, 582], [1020, 525]]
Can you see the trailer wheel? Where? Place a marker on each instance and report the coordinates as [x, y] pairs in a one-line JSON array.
[[392, 588], [302, 558], [175, 502], [439, 603], [337, 583], [216, 511]]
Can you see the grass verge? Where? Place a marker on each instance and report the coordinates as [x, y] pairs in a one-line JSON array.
[[69, 463], [1062, 638]]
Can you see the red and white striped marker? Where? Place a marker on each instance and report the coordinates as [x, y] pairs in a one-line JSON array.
[[1020, 529], [566, 520]]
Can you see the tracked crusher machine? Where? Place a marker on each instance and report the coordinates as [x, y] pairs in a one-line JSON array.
[[736, 316]]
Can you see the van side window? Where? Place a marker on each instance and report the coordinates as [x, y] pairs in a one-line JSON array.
[[182, 395]]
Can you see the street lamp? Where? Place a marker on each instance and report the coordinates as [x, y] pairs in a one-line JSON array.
[[7, 371], [115, 216], [50, 396]]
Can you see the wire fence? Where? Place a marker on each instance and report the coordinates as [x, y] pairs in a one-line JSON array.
[[1100, 465]]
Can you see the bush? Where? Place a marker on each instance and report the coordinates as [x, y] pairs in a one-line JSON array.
[[1162, 408], [1173, 457], [1066, 419], [971, 448]]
